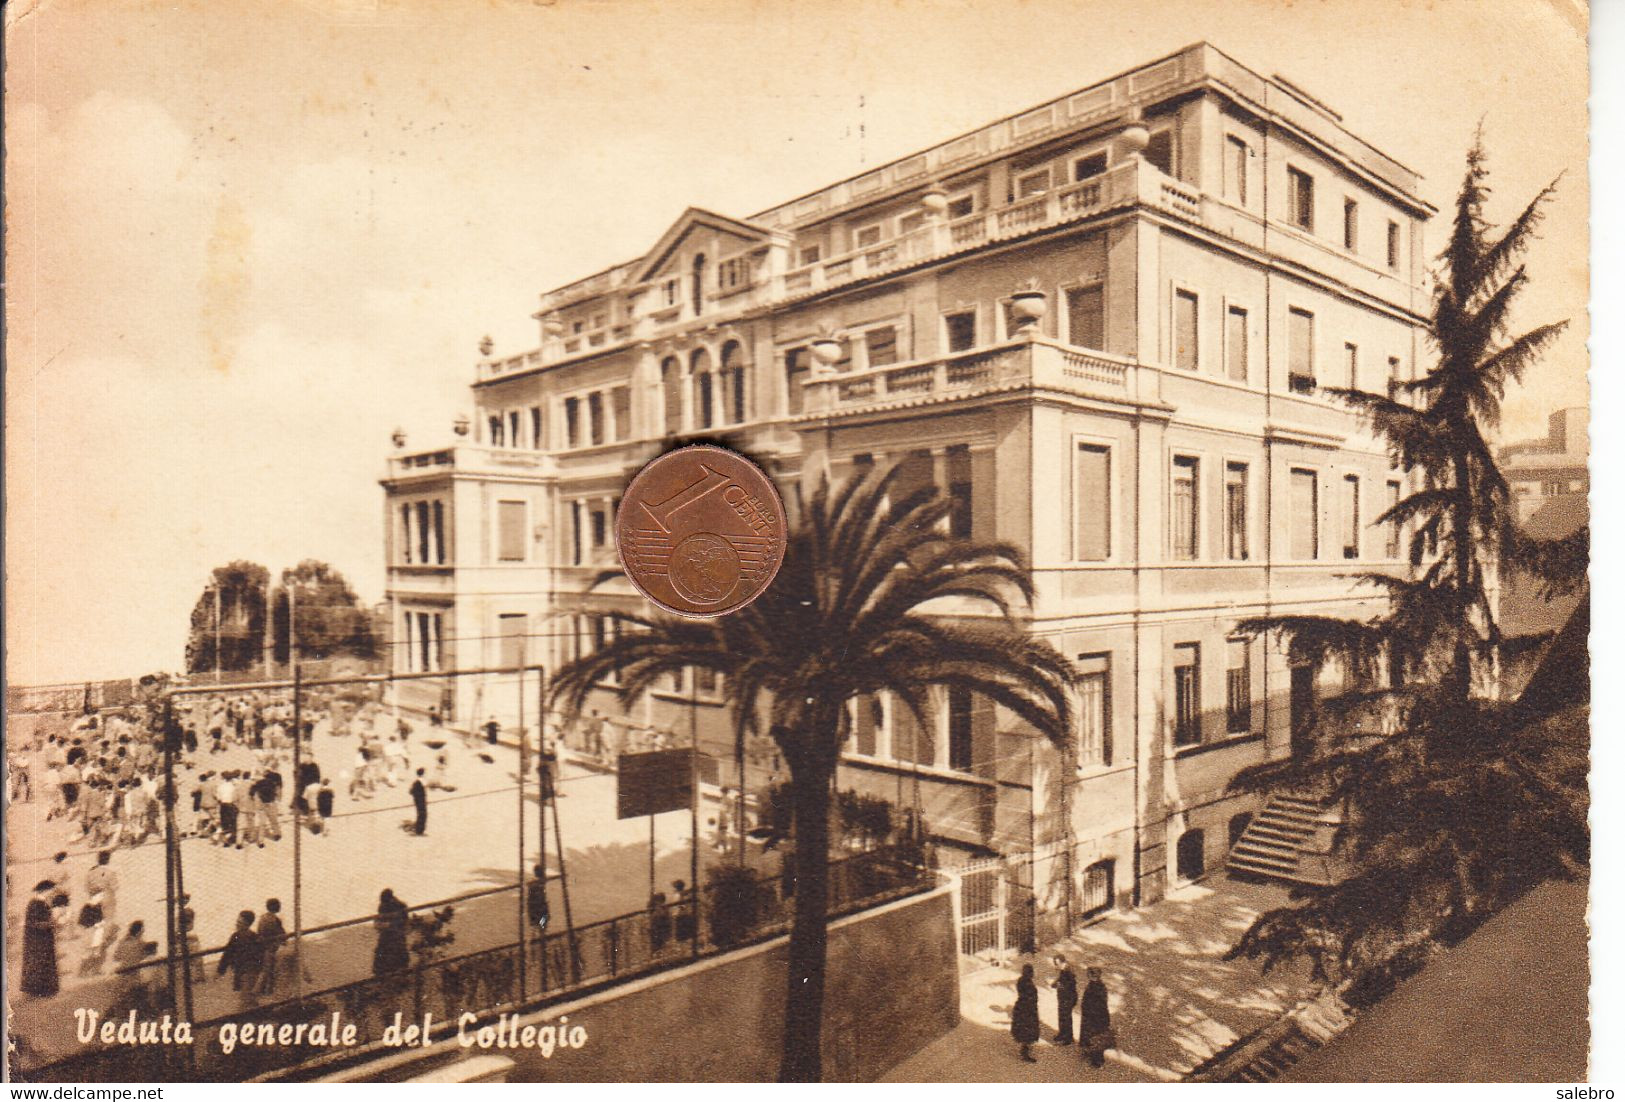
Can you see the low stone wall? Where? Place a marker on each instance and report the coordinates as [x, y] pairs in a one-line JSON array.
[[892, 988]]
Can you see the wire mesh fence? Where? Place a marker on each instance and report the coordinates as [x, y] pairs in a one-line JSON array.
[[239, 853]]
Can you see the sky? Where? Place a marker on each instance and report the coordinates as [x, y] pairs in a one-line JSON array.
[[245, 241]]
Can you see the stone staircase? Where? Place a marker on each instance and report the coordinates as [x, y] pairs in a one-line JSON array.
[[1287, 840], [1266, 1055]]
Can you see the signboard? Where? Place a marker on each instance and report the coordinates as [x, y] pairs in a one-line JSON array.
[[653, 782]]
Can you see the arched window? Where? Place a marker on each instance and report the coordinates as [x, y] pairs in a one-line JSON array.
[[699, 366], [1098, 887], [1191, 861], [671, 390], [697, 284], [733, 383]]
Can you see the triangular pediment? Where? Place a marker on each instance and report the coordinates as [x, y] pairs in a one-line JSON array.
[[695, 220]]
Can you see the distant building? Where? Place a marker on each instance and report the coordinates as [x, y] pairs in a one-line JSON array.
[[1542, 471], [1103, 326]]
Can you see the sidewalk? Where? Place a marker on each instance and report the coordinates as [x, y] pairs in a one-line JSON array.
[[1175, 1000]]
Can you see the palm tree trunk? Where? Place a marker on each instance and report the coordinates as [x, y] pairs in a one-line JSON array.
[[804, 999]]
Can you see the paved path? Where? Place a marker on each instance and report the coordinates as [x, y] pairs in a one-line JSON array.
[[1175, 1000]]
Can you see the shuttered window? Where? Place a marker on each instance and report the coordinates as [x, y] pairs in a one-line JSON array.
[[1305, 518], [1091, 503], [1086, 316], [511, 531]]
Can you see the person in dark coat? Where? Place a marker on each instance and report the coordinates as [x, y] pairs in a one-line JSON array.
[[39, 943], [1066, 999], [1024, 1015], [420, 801], [390, 955], [243, 956], [1095, 1021]]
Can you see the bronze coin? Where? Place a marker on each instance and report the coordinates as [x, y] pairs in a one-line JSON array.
[[701, 531]]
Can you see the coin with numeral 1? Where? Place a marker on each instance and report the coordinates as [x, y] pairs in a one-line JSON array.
[[701, 531]]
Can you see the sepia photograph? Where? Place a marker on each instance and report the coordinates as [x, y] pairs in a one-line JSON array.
[[727, 541]]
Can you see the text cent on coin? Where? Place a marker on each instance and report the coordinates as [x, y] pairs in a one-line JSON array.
[[701, 531]]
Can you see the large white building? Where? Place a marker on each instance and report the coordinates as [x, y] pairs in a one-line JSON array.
[[1203, 248]]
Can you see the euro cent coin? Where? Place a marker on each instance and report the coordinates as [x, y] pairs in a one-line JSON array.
[[701, 531]]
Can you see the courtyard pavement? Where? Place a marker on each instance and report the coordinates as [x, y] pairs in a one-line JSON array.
[[1175, 1000]]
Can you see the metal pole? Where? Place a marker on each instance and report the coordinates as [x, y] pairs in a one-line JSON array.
[[171, 896], [216, 634], [564, 892], [298, 823], [524, 767], [694, 813]]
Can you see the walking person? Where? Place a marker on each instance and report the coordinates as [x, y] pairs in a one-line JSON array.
[[226, 796], [1024, 1015], [420, 801], [39, 943], [1066, 999], [272, 935], [389, 954], [243, 957], [1095, 1021]]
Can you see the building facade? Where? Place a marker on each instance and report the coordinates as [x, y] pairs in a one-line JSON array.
[[1553, 468], [1103, 326]]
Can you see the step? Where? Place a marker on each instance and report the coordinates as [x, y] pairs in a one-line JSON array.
[[1268, 868], [1285, 834], [1288, 815], [1266, 846], [1302, 807]]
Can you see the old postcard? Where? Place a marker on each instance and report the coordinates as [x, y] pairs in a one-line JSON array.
[[1127, 622]]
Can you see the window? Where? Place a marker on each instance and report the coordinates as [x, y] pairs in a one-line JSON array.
[[423, 531], [1087, 168], [1186, 512], [960, 330], [881, 345], [1032, 183], [910, 222], [868, 235], [595, 417], [1235, 343], [406, 532], [1159, 151], [1391, 550], [696, 286], [960, 492], [511, 639], [1393, 245], [1238, 688], [810, 254], [1235, 511], [423, 640], [1305, 517], [961, 753], [671, 391], [513, 428], [733, 384], [1097, 888], [707, 684], [868, 719], [961, 206], [911, 739], [1300, 350], [1351, 364], [1301, 197], [494, 423], [510, 531], [620, 404], [733, 273], [1235, 169], [1091, 503], [440, 532], [796, 372], [697, 367], [1187, 694], [668, 292], [537, 440], [1351, 225], [572, 422], [1094, 709], [1394, 376], [577, 326], [1086, 316], [1185, 330], [1351, 516], [600, 528], [576, 550]]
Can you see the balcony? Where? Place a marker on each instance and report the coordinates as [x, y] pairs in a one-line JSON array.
[[1029, 362], [469, 459]]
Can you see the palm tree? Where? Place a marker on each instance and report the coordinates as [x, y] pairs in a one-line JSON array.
[[1464, 806], [858, 608]]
